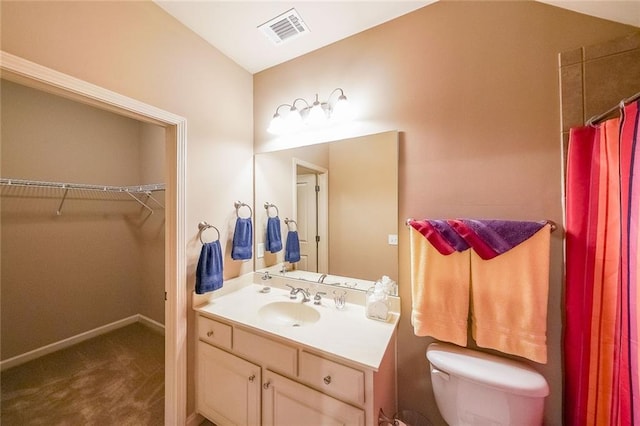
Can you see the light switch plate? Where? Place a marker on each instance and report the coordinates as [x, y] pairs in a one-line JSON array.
[[260, 250], [393, 239]]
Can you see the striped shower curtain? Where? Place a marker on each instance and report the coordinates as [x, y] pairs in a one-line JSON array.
[[603, 233]]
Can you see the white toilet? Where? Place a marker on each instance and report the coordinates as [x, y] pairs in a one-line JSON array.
[[475, 388]]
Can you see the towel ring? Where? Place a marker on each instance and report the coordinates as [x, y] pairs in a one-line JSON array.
[[238, 205], [268, 205], [287, 221], [203, 226]]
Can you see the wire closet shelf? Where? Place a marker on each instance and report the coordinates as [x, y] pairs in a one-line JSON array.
[[135, 192]]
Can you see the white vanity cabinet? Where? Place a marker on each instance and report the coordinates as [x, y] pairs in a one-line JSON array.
[[245, 376], [228, 387], [286, 402]]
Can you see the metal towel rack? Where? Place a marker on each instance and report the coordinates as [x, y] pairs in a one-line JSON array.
[[269, 205], [131, 191], [238, 205], [203, 226], [550, 222], [287, 221]]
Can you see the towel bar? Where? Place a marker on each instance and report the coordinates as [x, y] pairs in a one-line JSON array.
[[549, 221]]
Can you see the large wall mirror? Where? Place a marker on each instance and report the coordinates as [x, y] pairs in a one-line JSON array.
[[342, 199]]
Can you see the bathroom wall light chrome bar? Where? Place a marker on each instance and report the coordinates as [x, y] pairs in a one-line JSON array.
[[317, 114]]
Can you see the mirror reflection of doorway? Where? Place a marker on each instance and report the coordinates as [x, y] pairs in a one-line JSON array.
[[311, 195]]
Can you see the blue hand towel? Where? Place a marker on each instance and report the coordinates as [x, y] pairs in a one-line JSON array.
[[292, 249], [209, 270], [274, 238], [242, 239]]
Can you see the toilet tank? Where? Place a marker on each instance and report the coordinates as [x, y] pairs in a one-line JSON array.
[[476, 388]]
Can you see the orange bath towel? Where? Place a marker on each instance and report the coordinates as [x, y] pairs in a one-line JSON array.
[[509, 294], [440, 291]]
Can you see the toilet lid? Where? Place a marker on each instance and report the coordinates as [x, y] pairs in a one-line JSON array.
[[490, 370]]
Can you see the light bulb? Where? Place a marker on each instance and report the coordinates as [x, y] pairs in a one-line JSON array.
[[316, 117], [294, 120], [342, 110], [277, 125]]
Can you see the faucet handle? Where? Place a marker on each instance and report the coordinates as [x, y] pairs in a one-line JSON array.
[[293, 293], [318, 297]]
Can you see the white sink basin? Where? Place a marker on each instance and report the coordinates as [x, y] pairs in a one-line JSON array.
[[292, 314]]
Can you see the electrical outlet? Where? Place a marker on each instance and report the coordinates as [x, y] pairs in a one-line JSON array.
[[393, 239]]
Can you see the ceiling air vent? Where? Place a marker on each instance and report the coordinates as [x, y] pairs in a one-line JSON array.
[[284, 27]]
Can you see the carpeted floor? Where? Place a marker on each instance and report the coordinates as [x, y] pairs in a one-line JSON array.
[[113, 379]]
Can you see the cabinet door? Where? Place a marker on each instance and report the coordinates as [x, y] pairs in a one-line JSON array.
[[287, 403], [228, 387]]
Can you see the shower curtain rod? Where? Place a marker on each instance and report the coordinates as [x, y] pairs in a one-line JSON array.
[[593, 120]]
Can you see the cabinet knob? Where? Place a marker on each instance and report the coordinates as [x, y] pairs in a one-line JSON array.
[[266, 385], [252, 378], [327, 380], [209, 333]]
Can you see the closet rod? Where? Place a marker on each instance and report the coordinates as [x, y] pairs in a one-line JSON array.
[[596, 118], [129, 190], [142, 189]]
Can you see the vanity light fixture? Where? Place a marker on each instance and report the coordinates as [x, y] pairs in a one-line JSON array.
[[317, 114]]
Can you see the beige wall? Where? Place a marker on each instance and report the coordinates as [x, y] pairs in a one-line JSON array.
[[363, 206], [473, 89], [136, 49]]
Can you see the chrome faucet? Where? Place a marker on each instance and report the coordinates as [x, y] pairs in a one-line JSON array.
[[293, 294], [317, 299], [266, 276], [322, 277]]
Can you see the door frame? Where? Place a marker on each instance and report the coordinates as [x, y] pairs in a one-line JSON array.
[[323, 207], [27, 73]]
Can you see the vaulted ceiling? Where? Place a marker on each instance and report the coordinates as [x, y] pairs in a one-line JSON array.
[[232, 26]]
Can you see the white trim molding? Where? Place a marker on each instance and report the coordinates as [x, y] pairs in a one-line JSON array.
[[78, 338], [28, 73]]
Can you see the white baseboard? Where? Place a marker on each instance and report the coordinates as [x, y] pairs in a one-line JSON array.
[[70, 341], [155, 325], [194, 419]]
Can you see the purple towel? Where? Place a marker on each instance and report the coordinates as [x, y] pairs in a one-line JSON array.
[[449, 234], [441, 235], [490, 238]]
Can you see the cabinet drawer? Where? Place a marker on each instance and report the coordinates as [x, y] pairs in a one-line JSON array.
[[214, 332], [272, 354], [332, 377]]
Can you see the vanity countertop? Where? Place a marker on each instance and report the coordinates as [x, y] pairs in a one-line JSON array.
[[344, 333]]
